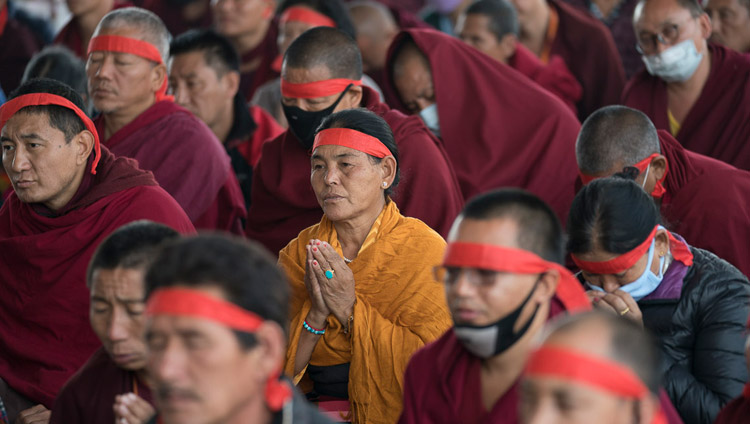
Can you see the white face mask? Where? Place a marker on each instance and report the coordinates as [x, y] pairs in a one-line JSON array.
[[430, 118], [675, 64]]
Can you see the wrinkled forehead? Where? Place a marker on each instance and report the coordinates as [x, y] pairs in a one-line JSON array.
[[305, 75], [30, 119]]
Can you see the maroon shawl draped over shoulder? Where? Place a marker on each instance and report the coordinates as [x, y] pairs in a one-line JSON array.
[[555, 76], [707, 202], [718, 124], [587, 47], [187, 160], [498, 128], [283, 201], [45, 334], [70, 35]]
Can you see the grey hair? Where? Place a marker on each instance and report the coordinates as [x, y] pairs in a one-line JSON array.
[[151, 28]]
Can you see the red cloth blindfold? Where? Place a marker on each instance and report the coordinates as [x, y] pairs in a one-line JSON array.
[[43, 99], [352, 139], [623, 262], [313, 90], [504, 259], [659, 189], [120, 44], [197, 304]]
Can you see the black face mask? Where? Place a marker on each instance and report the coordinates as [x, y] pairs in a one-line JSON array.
[[303, 124], [491, 340]]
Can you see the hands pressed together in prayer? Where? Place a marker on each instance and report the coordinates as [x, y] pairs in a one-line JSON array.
[[618, 302], [334, 295], [132, 409], [35, 415]]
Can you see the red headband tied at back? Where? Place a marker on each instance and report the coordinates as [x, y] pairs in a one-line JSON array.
[[352, 139], [197, 304], [313, 90], [10, 108], [623, 262], [505, 259], [144, 49], [659, 189]]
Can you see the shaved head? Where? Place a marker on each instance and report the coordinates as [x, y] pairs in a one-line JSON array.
[[615, 136], [325, 47], [372, 18], [151, 29]]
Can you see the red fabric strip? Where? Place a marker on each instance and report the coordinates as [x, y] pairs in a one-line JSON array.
[[352, 139], [577, 367], [659, 189], [140, 48], [506, 259], [306, 15], [194, 303], [313, 90], [10, 108]]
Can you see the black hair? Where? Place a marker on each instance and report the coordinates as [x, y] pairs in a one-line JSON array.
[[131, 246], [367, 122], [334, 9], [539, 230], [60, 64], [503, 18], [612, 214], [245, 272], [221, 56], [329, 47], [60, 117]]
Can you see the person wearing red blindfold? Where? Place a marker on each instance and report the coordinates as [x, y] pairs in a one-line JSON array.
[[503, 281], [128, 84], [321, 75], [595, 368], [704, 198], [695, 303], [69, 192], [216, 333]]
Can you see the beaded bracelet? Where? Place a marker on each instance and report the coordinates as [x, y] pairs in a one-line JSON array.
[[315, 331]]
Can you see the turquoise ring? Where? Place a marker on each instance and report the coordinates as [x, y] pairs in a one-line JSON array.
[[329, 274]]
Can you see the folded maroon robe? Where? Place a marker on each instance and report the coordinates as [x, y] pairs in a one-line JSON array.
[[70, 35], [707, 202], [587, 47], [498, 128], [187, 160], [88, 397], [718, 124], [45, 334], [555, 76], [264, 53], [283, 202]]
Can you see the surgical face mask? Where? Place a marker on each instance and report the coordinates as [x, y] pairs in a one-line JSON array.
[[303, 124], [491, 340], [675, 64], [430, 118], [647, 282]]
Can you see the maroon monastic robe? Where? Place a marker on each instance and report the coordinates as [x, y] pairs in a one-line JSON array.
[[45, 334], [718, 124], [736, 411], [498, 128], [171, 15], [264, 53], [555, 76], [587, 47], [18, 44], [283, 202], [707, 202], [70, 35], [187, 160], [88, 397]]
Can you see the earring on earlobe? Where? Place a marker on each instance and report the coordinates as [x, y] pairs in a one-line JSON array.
[[385, 184]]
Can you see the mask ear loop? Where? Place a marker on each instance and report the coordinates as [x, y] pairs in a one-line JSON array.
[[645, 177]]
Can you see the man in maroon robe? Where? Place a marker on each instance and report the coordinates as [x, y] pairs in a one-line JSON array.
[[69, 193], [498, 128], [698, 91], [492, 27], [504, 280], [182, 15], [250, 26], [702, 199], [730, 22], [551, 28], [18, 43], [283, 202], [75, 35], [127, 83], [113, 382]]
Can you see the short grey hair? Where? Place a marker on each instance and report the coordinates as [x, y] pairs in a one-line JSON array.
[[151, 28]]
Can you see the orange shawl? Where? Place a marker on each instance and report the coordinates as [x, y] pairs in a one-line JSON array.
[[400, 307]]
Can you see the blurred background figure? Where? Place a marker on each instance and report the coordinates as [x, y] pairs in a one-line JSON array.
[[60, 64]]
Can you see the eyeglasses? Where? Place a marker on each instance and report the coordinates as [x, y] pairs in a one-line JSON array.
[[648, 42], [449, 275]]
